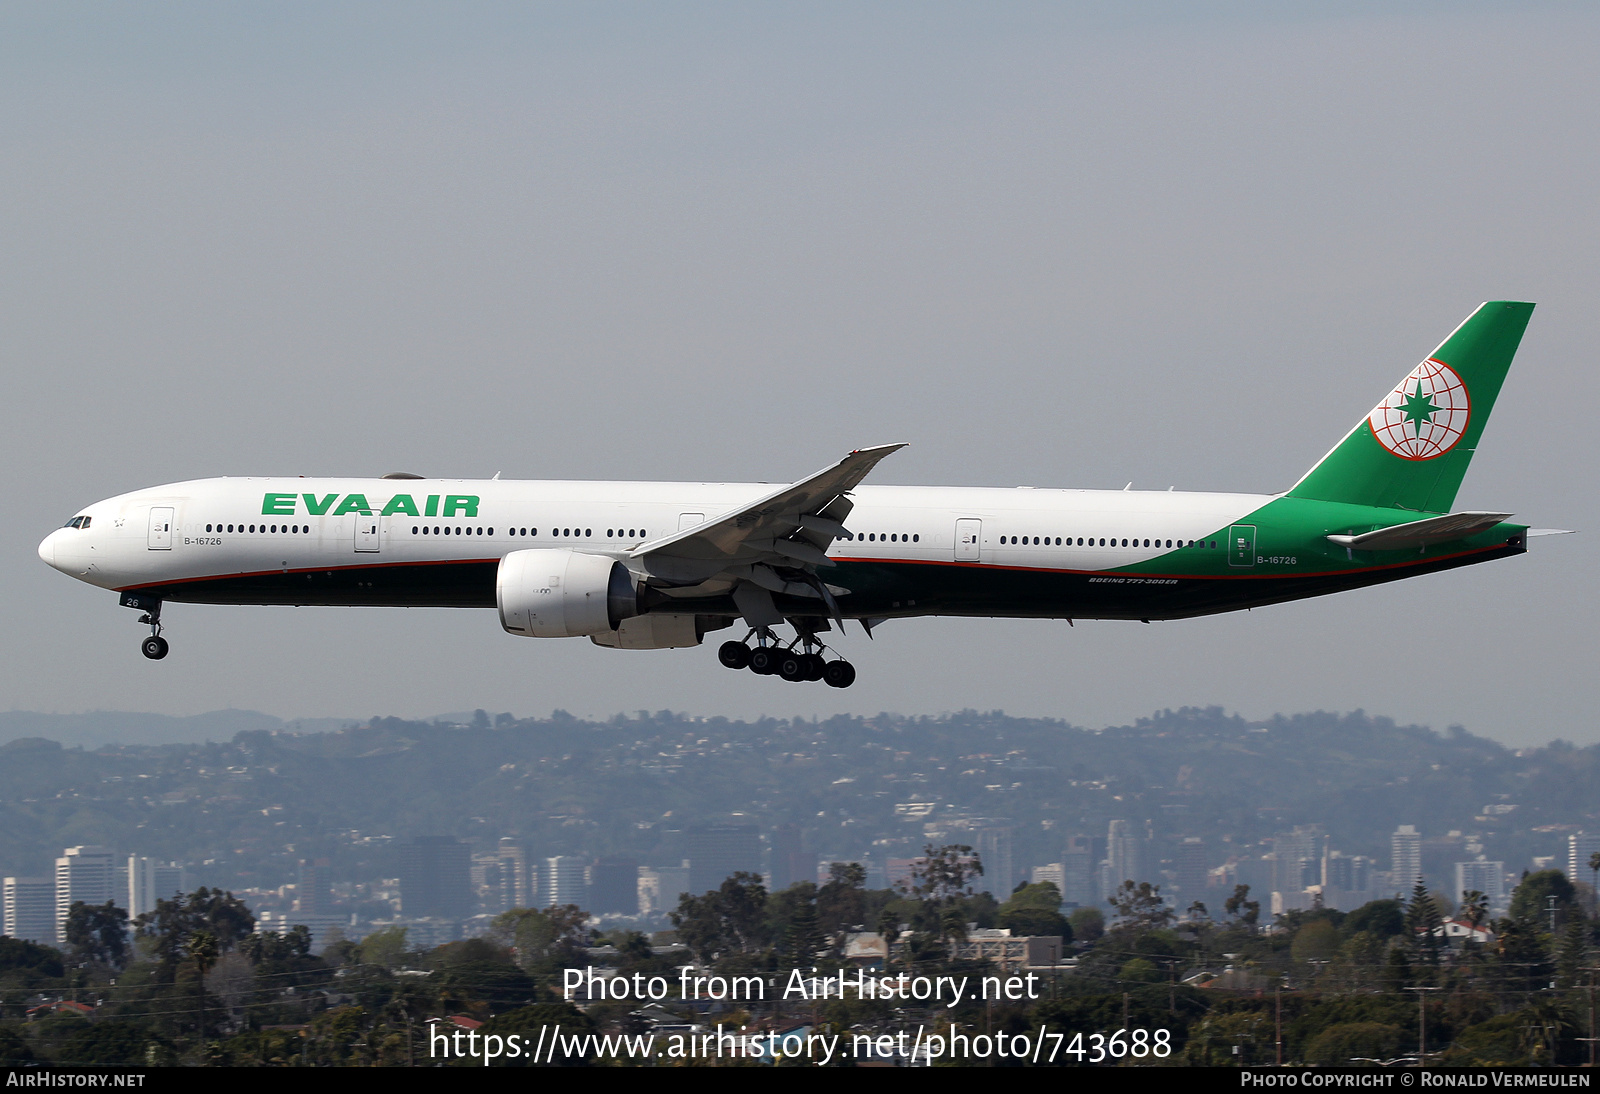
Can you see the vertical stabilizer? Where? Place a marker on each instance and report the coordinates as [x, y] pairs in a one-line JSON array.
[[1412, 451]]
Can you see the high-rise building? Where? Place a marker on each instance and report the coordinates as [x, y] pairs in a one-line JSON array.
[[1488, 878], [1191, 868], [150, 881], [716, 851], [1080, 885], [614, 885], [314, 894], [1127, 854], [83, 874], [1297, 864], [564, 881], [436, 878], [1337, 871], [1052, 873], [516, 888], [790, 862], [661, 887], [486, 884], [1580, 846], [1346, 880], [30, 909], [993, 843], [1406, 857]]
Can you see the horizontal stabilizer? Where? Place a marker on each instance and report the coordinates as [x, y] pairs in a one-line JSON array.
[[1549, 532], [1421, 533]]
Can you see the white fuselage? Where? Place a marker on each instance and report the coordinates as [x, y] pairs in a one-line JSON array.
[[226, 527]]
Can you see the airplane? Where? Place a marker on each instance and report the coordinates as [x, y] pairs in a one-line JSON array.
[[656, 565]]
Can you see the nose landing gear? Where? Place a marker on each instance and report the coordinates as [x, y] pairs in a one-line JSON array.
[[786, 661], [153, 647]]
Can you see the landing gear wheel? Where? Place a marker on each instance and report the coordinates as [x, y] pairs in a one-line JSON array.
[[839, 674], [815, 666], [734, 655], [792, 666], [764, 661], [154, 647]]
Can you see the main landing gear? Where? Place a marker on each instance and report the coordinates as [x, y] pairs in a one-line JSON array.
[[153, 647], [791, 664]]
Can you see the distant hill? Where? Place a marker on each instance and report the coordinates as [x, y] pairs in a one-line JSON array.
[[114, 727], [243, 797]]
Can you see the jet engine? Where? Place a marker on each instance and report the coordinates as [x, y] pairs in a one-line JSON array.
[[563, 594]]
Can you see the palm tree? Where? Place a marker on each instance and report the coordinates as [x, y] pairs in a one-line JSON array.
[[889, 931], [1594, 870], [1475, 911], [203, 948]]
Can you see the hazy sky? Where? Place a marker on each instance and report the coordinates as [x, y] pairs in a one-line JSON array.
[[1055, 245]]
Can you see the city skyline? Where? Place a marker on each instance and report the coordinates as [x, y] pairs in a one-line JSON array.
[[380, 862]]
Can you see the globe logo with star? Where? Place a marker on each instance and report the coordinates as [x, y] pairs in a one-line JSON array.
[[1425, 416]]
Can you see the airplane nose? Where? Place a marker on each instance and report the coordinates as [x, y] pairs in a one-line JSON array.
[[47, 549]]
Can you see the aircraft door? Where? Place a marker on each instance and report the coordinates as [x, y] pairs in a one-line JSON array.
[[1242, 545], [689, 520], [969, 540], [369, 531], [161, 529]]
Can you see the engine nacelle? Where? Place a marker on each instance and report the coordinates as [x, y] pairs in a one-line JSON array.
[[563, 594]]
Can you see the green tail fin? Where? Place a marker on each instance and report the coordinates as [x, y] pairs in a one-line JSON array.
[[1412, 451]]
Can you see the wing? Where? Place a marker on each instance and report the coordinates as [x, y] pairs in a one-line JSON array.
[[760, 548]]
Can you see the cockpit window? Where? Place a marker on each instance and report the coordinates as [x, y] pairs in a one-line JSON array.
[[77, 522]]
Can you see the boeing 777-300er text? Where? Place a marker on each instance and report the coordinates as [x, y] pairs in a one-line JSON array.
[[652, 565]]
